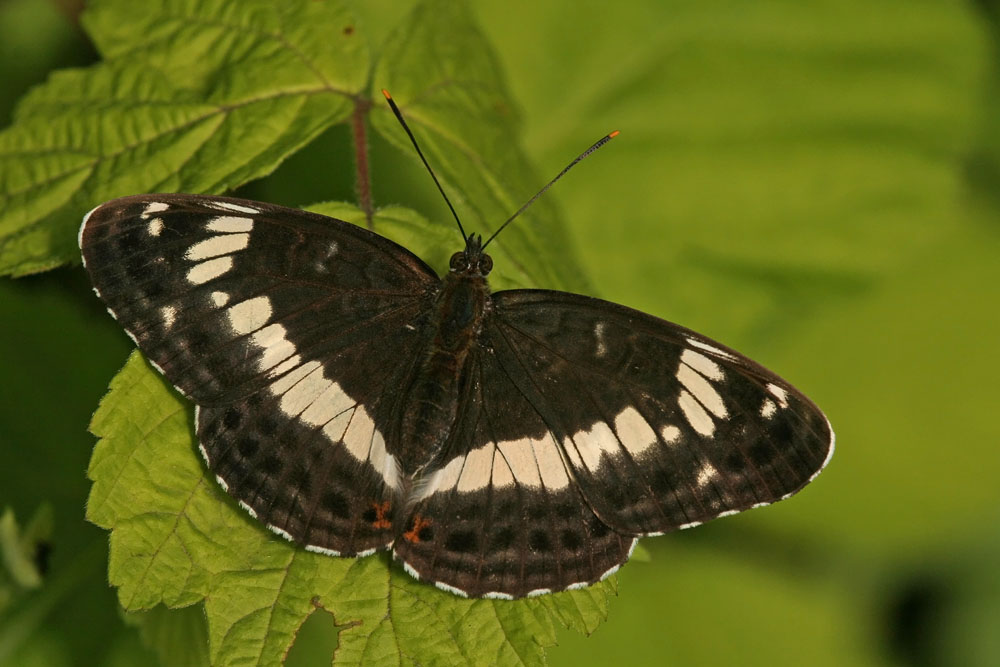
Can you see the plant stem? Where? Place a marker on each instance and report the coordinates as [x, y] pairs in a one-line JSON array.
[[362, 183]]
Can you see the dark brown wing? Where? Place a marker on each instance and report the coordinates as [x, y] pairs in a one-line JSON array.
[[285, 328], [662, 427], [501, 515], [586, 424]]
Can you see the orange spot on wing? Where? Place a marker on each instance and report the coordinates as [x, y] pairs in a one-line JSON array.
[[381, 510], [419, 523]]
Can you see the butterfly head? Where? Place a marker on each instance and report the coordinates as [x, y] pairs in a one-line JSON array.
[[472, 260]]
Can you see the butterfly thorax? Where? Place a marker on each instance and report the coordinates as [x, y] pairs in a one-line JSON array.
[[432, 398]]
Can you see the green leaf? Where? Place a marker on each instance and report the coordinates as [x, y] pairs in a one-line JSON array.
[[449, 85], [192, 97], [177, 539]]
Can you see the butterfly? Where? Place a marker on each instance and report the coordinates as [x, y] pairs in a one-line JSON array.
[[502, 444]]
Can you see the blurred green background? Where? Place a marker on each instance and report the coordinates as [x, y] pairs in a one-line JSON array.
[[814, 184]]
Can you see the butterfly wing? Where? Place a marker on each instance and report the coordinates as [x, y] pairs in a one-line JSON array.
[[587, 423], [499, 514], [283, 327], [662, 427]]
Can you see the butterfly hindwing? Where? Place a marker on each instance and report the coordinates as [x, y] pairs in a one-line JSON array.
[[499, 514], [283, 327], [662, 428], [320, 487]]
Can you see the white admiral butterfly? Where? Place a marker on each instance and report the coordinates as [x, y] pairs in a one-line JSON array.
[[502, 444]]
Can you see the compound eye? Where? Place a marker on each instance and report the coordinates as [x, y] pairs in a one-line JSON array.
[[457, 261], [485, 264]]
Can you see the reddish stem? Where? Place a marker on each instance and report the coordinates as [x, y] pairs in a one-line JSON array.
[[362, 183]]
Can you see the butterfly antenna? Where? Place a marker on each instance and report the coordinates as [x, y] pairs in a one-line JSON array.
[[603, 140], [413, 140]]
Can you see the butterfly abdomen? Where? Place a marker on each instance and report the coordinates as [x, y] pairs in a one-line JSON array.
[[434, 387]]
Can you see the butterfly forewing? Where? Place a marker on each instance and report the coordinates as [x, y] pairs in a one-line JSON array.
[[280, 325], [196, 280], [662, 427]]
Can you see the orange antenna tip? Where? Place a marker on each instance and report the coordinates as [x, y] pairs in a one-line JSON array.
[[386, 93], [610, 136]]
